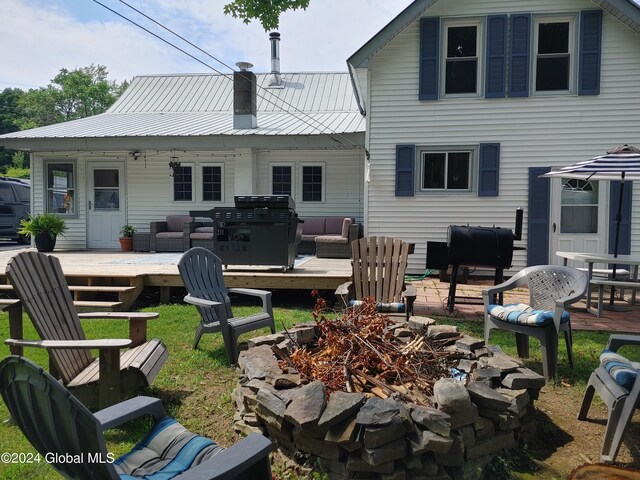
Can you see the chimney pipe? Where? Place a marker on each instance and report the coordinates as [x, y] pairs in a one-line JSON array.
[[275, 80], [244, 97]]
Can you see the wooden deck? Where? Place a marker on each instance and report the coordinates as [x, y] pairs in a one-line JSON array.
[[107, 270]]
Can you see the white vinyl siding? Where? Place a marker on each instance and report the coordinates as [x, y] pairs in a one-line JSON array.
[[544, 130]]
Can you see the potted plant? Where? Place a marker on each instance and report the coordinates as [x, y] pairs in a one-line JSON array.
[[126, 238], [44, 228]]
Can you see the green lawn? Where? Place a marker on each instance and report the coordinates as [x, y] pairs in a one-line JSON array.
[[196, 385]]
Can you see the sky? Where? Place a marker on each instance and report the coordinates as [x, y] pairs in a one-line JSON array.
[[40, 37]]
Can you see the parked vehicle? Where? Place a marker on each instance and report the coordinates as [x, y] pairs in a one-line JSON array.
[[15, 205]]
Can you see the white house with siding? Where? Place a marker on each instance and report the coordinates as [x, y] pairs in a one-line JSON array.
[[467, 103], [304, 136]]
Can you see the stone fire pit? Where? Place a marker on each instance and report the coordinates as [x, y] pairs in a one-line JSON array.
[[356, 435]]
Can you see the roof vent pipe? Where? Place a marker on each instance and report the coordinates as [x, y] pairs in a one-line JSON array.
[[244, 97], [275, 80]]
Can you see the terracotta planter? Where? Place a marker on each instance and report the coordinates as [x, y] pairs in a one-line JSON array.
[[45, 242], [126, 244]]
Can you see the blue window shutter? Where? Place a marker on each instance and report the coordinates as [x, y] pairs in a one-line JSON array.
[[624, 243], [405, 166], [496, 56], [429, 61], [590, 48], [489, 170], [519, 60], [538, 218]]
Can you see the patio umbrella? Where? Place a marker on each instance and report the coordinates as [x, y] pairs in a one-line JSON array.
[[620, 164]]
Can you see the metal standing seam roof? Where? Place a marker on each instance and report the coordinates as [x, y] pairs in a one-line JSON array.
[[202, 104]]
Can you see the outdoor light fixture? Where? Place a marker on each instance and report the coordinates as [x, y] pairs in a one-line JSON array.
[[174, 164], [135, 155]]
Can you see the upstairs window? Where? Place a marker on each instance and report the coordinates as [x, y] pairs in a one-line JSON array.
[[462, 47], [554, 45]]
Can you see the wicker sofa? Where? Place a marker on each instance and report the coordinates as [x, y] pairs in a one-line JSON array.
[[171, 235], [328, 237]]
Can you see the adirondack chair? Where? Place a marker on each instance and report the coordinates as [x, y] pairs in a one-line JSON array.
[[42, 289], [379, 265], [617, 382], [71, 438], [201, 272]]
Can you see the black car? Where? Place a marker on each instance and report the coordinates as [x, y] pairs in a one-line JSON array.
[[15, 205]]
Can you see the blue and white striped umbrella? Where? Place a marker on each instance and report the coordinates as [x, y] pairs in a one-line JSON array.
[[620, 163]]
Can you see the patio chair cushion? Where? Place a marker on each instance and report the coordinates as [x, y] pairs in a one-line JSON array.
[[623, 371], [346, 223], [332, 239], [204, 230], [166, 451], [382, 307], [175, 223], [523, 314], [169, 235], [313, 227]]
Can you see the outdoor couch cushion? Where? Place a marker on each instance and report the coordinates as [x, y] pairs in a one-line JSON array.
[[201, 236], [623, 371], [169, 235], [523, 314], [166, 451], [333, 226], [313, 227], [203, 230], [346, 223], [175, 223], [332, 239]]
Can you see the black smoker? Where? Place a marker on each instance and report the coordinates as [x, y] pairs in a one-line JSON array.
[[260, 230], [488, 247]]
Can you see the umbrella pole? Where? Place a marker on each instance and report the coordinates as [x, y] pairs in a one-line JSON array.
[[615, 245]]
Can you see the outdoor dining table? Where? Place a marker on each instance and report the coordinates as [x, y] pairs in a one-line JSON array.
[[591, 258]]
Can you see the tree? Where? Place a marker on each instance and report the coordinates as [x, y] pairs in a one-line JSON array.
[[267, 12], [72, 94], [11, 116]]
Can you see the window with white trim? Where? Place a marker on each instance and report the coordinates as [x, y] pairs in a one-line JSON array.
[[212, 176], [462, 58], [312, 183], [553, 61], [446, 170], [281, 180], [61, 187], [183, 183]]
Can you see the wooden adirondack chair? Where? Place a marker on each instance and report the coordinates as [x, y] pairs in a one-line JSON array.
[[201, 272], [63, 430], [43, 291], [379, 265]]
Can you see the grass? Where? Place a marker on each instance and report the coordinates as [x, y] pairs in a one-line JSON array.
[[196, 385]]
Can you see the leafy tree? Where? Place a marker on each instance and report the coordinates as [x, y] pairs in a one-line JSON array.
[[10, 118], [72, 94], [267, 12]]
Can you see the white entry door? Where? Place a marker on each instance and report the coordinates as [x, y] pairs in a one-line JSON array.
[[578, 216], [106, 204]]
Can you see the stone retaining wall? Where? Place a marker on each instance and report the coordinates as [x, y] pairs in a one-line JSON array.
[[356, 436]]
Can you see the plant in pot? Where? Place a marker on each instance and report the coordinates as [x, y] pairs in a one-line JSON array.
[[126, 238], [44, 228]]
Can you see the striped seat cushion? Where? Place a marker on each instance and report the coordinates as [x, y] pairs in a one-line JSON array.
[[623, 371], [166, 451], [382, 307], [523, 314]]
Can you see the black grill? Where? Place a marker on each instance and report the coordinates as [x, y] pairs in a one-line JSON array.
[[259, 230], [488, 247]]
